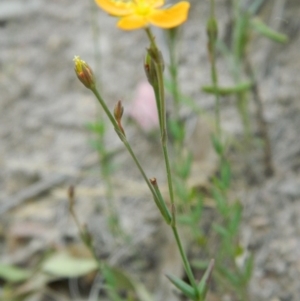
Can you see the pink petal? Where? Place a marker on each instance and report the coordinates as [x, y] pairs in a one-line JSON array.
[[143, 109]]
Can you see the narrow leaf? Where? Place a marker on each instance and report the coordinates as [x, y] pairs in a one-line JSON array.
[[220, 201], [12, 273], [221, 230], [65, 265], [225, 91], [268, 32], [185, 288], [205, 281], [248, 269], [233, 278], [225, 174], [236, 214], [119, 279]]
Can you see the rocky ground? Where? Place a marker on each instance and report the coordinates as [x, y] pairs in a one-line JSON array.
[[44, 143]]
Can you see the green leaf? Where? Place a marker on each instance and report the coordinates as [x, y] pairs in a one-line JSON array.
[[182, 192], [118, 279], [239, 250], [225, 174], [233, 278], [240, 35], [97, 127], [12, 273], [225, 91], [212, 29], [248, 269], [221, 230], [200, 264], [185, 219], [185, 288], [255, 6], [220, 201], [236, 214], [183, 167], [205, 281], [96, 145], [219, 148], [268, 32], [64, 265], [177, 129]]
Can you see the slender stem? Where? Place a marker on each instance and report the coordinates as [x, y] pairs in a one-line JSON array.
[[186, 263], [159, 90], [168, 170], [163, 209], [215, 84], [131, 152], [93, 251], [84, 234], [123, 138], [214, 73], [212, 8], [164, 139], [162, 111], [166, 157], [156, 93], [105, 108], [174, 71]]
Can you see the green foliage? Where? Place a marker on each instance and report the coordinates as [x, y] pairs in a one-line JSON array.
[[13, 273], [227, 91], [205, 280], [66, 266], [268, 32], [185, 288]]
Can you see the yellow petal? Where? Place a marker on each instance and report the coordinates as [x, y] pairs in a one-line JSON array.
[[170, 17], [116, 7], [157, 3], [132, 22]]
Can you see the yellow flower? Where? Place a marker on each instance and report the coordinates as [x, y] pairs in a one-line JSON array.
[[136, 14]]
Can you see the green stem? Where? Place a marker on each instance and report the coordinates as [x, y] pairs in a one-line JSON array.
[[164, 139], [174, 71], [123, 138], [212, 8], [186, 263], [217, 101], [156, 93], [159, 90], [133, 156], [214, 73], [162, 112], [83, 235], [159, 203], [105, 108]]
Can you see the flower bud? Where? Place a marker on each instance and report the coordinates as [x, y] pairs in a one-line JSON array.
[[118, 113], [84, 72], [212, 29], [153, 59], [150, 69]]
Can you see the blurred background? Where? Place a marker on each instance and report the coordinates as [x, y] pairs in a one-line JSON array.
[[48, 141]]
